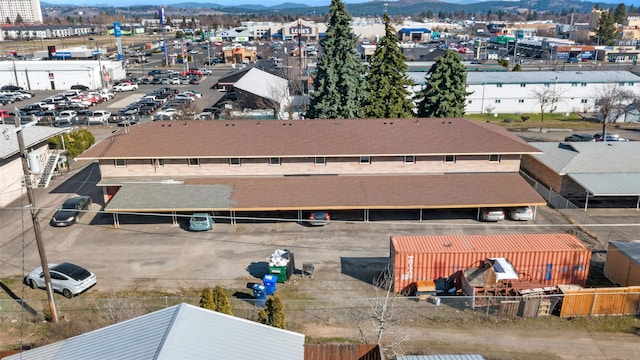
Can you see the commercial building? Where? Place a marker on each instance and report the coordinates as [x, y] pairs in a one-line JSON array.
[[29, 11], [364, 165], [60, 75]]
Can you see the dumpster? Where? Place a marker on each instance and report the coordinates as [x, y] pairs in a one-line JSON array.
[[281, 264], [269, 282], [280, 272], [260, 294]]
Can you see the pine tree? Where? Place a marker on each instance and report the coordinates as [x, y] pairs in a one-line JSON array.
[[8, 21], [339, 81], [606, 31], [221, 301], [620, 14], [206, 299], [387, 80], [19, 19], [273, 313], [215, 300], [444, 94]]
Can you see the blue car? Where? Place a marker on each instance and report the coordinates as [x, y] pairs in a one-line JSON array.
[[200, 222]]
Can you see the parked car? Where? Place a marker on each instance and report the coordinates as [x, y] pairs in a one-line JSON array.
[[319, 218], [67, 116], [491, 214], [71, 211], [99, 117], [200, 222], [521, 213], [609, 137], [80, 87], [67, 279], [125, 86], [11, 88], [579, 138]]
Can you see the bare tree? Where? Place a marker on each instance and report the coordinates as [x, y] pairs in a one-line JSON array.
[[382, 315], [611, 100], [548, 98]]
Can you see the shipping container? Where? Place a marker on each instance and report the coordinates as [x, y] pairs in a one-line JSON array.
[[623, 263], [547, 259]]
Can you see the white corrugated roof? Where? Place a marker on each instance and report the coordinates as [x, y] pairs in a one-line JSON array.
[[32, 135], [178, 332], [538, 77], [264, 84], [601, 168], [629, 248]]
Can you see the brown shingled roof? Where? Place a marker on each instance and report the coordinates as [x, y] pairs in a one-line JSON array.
[[308, 138], [355, 192]]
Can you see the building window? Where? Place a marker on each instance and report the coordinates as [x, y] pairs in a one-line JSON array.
[[521, 101], [574, 84], [547, 84], [194, 162], [320, 160], [449, 158], [121, 163], [365, 160], [409, 159], [583, 84], [498, 101], [494, 158], [523, 85], [470, 101], [499, 85], [621, 83], [583, 101], [234, 161], [157, 163], [630, 84], [274, 161]]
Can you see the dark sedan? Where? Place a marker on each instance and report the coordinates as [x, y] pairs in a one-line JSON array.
[[579, 138], [71, 210]]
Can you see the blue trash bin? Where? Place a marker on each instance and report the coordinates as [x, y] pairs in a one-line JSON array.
[[260, 294], [270, 282]]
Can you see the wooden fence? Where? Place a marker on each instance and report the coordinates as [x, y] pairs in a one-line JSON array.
[[601, 301]]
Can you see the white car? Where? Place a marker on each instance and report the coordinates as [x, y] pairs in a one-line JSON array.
[[174, 81], [185, 97], [193, 93], [99, 117], [125, 87], [67, 279], [67, 116], [522, 213]]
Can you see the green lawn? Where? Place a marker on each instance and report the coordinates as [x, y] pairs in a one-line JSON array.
[[570, 121]]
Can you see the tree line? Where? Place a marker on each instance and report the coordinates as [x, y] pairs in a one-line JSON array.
[[345, 88]]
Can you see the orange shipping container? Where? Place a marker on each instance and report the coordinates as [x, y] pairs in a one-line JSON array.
[[550, 259]]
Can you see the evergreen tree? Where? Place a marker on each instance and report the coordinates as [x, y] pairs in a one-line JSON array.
[[517, 68], [7, 21], [387, 80], [620, 14], [606, 31], [339, 81], [444, 94], [221, 301], [19, 19], [273, 313], [206, 299]]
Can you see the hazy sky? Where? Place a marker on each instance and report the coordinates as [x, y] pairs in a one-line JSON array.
[[169, 2]]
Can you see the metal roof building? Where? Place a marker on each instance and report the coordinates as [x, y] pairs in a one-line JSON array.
[[179, 332], [587, 169]]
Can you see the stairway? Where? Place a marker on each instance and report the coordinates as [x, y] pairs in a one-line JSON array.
[[49, 168]]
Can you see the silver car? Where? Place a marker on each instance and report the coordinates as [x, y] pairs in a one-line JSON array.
[[521, 213], [67, 279], [487, 214]]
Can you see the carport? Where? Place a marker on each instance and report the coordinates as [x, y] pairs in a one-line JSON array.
[[304, 193], [609, 185]]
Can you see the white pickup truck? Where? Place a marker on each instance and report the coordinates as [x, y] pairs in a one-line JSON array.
[[99, 117]]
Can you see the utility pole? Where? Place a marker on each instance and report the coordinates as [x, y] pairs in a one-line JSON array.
[[34, 215]]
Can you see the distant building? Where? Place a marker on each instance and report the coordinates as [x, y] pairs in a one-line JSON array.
[[29, 11]]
